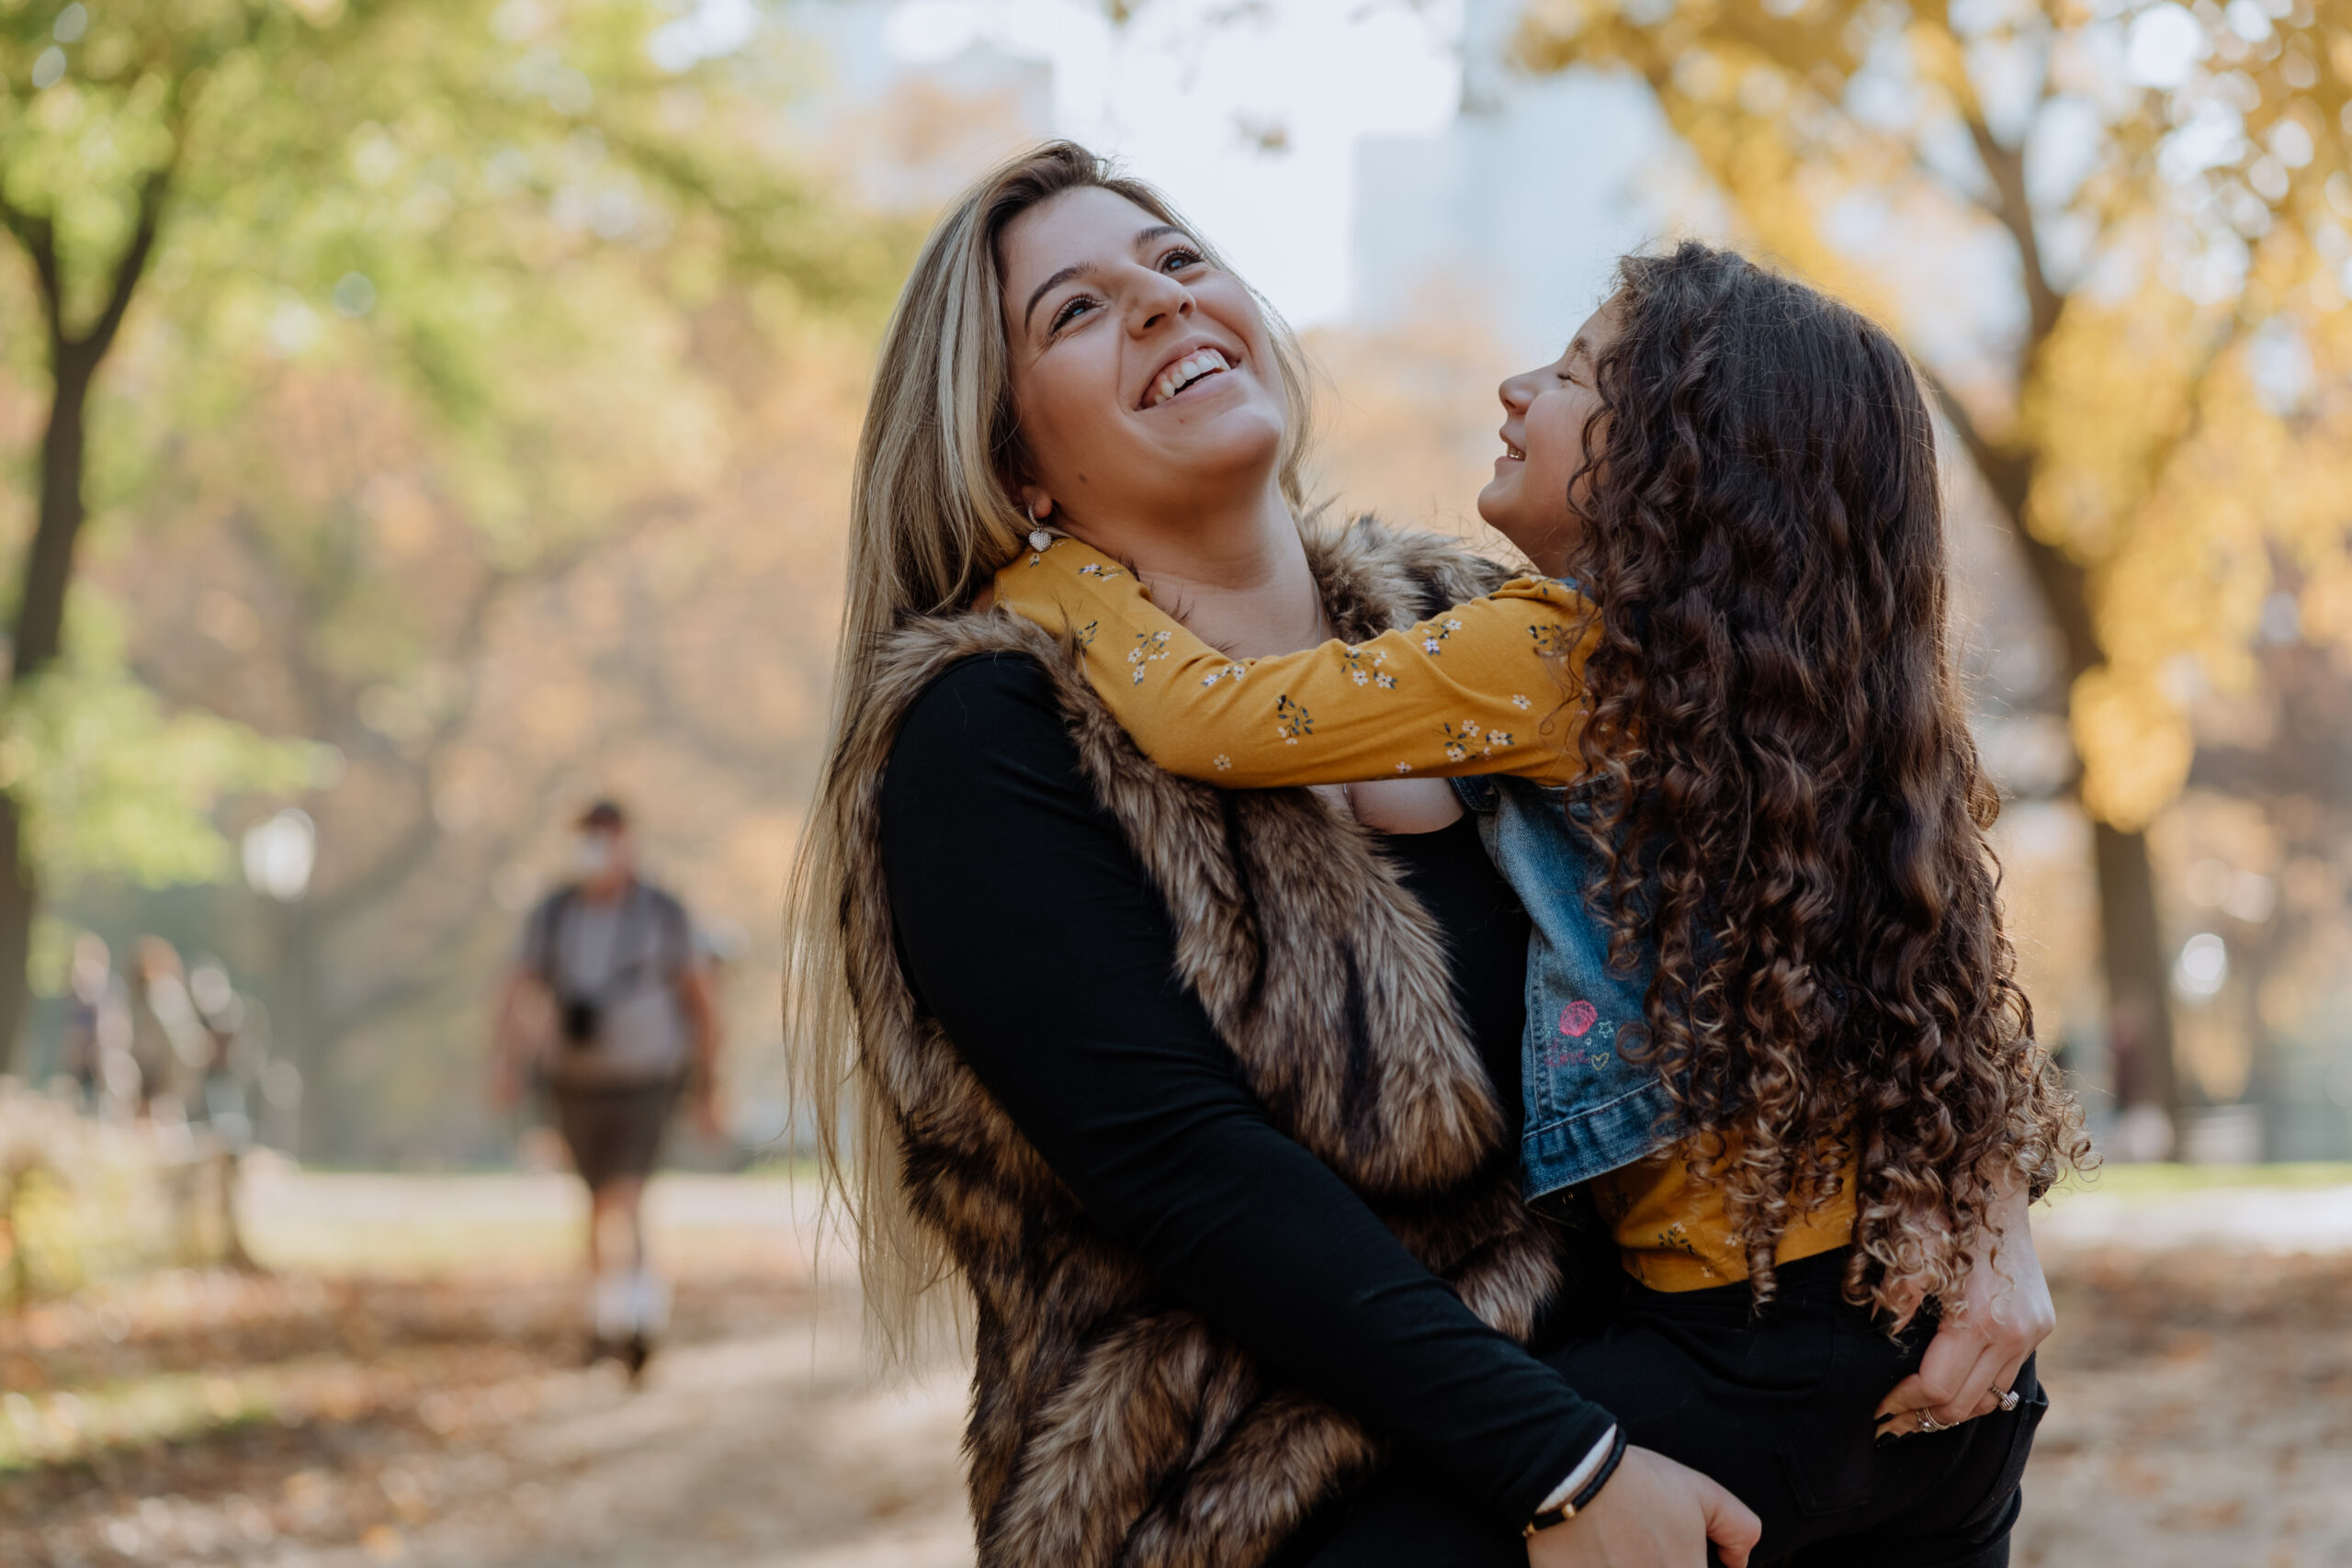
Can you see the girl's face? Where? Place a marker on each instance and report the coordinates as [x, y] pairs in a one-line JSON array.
[[1546, 412], [1142, 376]]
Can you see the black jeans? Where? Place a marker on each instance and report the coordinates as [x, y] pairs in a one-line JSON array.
[[1778, 1408]]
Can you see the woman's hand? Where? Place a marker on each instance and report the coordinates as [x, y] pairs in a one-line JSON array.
[[1976, 1354], [1653, 1513]]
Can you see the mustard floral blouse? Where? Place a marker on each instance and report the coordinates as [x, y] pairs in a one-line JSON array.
[[1486, 687], [1672, 1233], [1483, 688]]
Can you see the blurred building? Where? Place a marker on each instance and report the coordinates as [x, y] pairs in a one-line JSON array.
[[908, 134], [1517, 208]]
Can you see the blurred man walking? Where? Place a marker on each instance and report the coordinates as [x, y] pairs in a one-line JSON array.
[[611, 960]]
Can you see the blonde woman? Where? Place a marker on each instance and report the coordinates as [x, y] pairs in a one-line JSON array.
[[1185, 1087]]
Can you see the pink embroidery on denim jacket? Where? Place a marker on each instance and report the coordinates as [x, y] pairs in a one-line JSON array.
[[1577, 1018]]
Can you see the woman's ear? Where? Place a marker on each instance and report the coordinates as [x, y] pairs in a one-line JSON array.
[[1034, 501]]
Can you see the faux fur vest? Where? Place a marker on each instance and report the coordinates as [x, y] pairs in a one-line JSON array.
[[1108, 1426]]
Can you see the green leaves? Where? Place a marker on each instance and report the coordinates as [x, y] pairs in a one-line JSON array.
[[117, 788], [415, 259]]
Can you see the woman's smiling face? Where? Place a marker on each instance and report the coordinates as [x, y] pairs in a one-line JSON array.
[[1142, 375], [1546, 412]]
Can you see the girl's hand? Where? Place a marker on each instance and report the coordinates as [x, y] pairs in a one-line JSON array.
[[1653, 1513], [1978, 1351]]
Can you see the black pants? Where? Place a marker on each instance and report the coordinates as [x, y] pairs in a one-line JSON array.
[[1778, 1408]]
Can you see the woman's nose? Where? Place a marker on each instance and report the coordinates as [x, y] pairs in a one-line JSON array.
[[1156, 300], [1515, 394]]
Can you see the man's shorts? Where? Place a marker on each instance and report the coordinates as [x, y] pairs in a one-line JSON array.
[[614, 1130]]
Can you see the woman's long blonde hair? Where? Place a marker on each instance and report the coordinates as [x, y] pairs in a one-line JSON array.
[[933, 515]]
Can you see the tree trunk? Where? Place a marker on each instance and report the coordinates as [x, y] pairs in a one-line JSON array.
[[2132, 945], [18, 900], [321, 1133], [40, 633], [2133, 951], [49, 564]]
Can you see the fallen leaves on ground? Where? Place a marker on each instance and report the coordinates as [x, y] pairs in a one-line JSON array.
[[2201, 1415], [200, 1417]]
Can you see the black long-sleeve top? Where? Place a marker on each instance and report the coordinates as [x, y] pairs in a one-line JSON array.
[[1029, 929]]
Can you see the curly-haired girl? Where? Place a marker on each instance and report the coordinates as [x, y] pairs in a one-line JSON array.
[[1775, 1043]]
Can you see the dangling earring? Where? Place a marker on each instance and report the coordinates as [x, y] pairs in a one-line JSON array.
[[1039, 539]]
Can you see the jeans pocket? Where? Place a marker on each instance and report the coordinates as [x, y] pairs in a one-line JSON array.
[[1827, 1477], [1829, 1454], [2022, 1421]]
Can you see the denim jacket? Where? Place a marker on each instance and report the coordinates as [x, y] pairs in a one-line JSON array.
[[1589, 1111]]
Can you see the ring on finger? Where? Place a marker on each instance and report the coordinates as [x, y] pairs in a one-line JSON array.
[[1927, 1423], [2008, 1398]]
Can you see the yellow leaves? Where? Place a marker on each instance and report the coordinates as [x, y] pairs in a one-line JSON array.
[[1548, 25], [2167, 450], [1700, 76], [2134, 740], [2112, 397], [2327, 603], [2163, 470], [1937, 57]]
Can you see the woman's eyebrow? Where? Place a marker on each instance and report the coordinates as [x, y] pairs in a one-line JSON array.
[[1078, 270]]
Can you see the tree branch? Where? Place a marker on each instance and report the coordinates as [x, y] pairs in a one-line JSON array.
[[38, 235], [393, 866], [128, 267], [2063, 582], [395, 863], [2005, 472], [2013, 208], [429, 967]]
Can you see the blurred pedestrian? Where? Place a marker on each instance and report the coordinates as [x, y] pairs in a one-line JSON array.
[[221, 1097], [168, 1043], [611, 960], [88, 979]]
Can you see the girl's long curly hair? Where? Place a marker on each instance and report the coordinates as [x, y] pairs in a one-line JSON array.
[[1787, 797]]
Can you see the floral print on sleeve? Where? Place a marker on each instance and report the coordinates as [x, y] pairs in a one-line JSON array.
[[1150, 647], [1451, 695], [1368, 672]]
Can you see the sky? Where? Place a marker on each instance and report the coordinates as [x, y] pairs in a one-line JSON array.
[[1247, 114]]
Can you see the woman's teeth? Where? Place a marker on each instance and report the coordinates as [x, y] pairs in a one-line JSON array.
[[1184, 372], [1514, 453]]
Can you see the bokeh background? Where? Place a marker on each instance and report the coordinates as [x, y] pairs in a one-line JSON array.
[[422, 416]]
